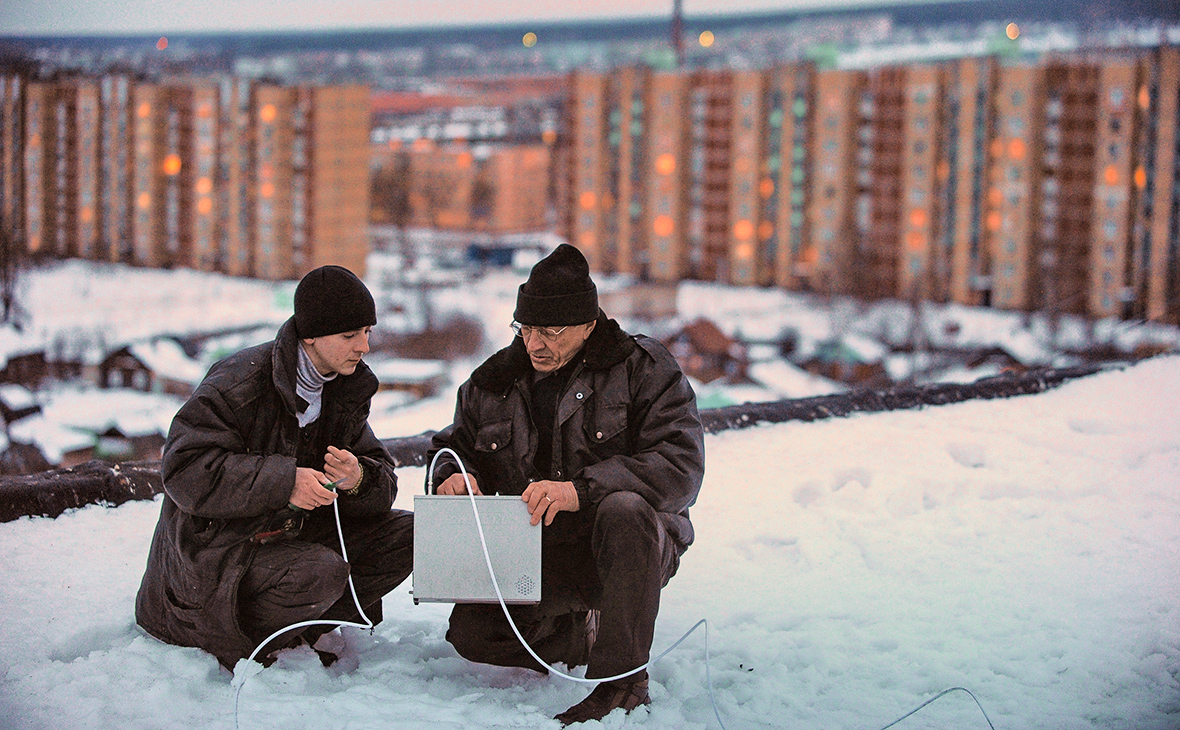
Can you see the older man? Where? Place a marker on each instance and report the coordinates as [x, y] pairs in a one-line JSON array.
[[247, 543], [597, 430]]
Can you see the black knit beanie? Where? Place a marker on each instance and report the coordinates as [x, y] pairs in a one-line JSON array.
[[331, 300], [558, 292]]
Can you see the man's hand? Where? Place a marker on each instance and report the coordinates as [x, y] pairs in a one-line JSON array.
[[546, 499], [309, 492], [343, 468], [454, 484]]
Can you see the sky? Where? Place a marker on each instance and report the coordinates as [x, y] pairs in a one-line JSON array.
[[74, 17], [1025, 549]]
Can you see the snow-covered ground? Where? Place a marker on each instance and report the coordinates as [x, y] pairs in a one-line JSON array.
[[1026, 549]]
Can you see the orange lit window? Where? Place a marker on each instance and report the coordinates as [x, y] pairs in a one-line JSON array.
[[1111, 175], [1140, 177], [918, 217], [766, 187], [587, 200], [267, 190], [663, 226], [745, 251], [172, 164], [205, 206], [144, 201], [204, 186], [144, 110], [993, 221], [268, 113], [742, 230], [666, 164], [1016, 149]]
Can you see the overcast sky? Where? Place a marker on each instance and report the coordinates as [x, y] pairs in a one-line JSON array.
[[69, 17]]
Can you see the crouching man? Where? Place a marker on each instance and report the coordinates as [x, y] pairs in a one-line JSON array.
[[598, 431], [230, 562]]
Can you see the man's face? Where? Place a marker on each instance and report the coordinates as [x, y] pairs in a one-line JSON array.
[[339, 353], [552, 353]]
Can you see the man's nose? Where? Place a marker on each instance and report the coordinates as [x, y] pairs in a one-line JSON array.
[[533, 342], [363, 343]]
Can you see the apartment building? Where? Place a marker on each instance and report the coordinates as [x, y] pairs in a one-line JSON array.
[[216, 174], [485, 188], [1045, 184]]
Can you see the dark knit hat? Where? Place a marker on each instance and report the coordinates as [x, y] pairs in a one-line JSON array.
[[331, 300], [558, 292]]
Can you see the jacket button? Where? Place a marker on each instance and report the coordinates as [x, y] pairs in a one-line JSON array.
[[579, 396], [559, 472], [494, 447], [598, 435]]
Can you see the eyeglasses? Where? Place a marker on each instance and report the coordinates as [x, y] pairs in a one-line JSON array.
[[548, 334]]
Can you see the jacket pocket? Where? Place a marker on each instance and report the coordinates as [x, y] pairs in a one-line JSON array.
[[493, 438], [606, 431], [493, 455]]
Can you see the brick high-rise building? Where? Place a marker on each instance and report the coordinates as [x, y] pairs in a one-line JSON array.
[[1045, 184], [217, 174], [12, 97]]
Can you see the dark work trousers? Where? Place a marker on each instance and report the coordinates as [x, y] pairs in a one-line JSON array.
[[306, 578], [617, 562]]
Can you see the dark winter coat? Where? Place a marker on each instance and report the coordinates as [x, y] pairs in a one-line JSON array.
[[228, 469], [627, 421]]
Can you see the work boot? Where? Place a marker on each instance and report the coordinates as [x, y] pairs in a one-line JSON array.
[[628, 693]]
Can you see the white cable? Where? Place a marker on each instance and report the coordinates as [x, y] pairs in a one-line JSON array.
[[708, 674], [326, 622], [504, 606], [316, 622]]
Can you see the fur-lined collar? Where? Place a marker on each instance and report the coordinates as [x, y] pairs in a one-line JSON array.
[[607, 346]]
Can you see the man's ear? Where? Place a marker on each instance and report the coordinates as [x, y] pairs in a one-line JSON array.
[[593, 324]]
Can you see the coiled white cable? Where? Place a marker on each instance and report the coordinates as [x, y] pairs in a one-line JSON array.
[[708, 675], [316, 622], [504, 607]]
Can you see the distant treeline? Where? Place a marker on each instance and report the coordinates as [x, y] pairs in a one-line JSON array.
[[591, 31]]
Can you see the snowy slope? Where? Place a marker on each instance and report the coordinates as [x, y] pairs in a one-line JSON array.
[[1027, 549]]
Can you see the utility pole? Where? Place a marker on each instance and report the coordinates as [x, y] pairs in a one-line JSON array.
[[678, 32]]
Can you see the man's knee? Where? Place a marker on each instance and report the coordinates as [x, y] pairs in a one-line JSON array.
[[626, 513], [319, 576], [468, 632]]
